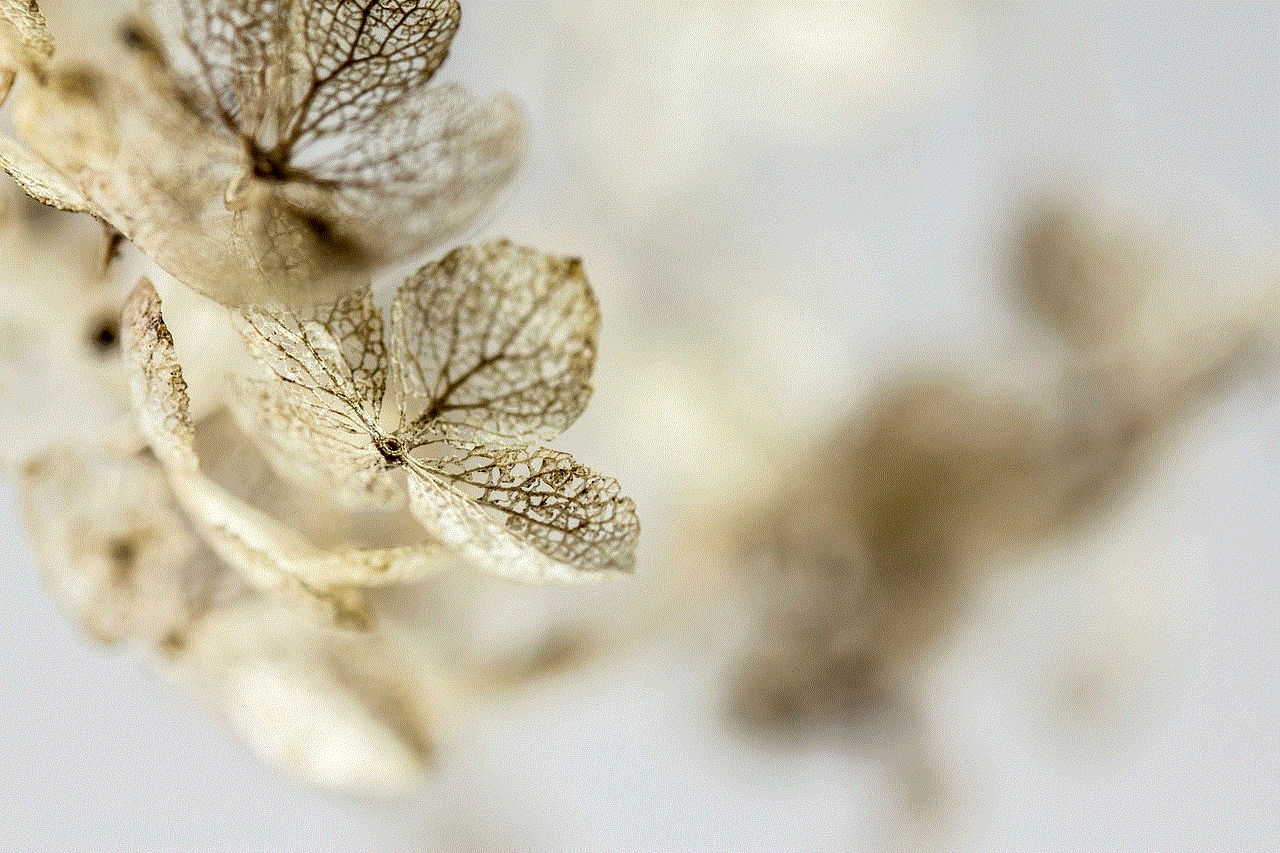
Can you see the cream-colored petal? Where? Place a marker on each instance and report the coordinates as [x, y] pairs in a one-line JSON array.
[[341, 709], [266, 552]]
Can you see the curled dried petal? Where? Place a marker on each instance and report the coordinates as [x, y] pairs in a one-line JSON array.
[[22, 24], [116, 554], [41, 181], [267, 553], [339, 708], [156, 385]]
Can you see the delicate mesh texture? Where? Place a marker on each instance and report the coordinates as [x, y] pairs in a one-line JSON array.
[[286, 74], [329, 101], [491, 345], [266, 553], [495, 342], [309, 149]]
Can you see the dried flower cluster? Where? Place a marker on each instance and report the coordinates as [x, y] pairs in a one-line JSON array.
[[871, 548], [272, 155]]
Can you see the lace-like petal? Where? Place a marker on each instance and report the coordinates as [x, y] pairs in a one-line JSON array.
[[313, 445], [563, 522], [286, 74], [265, 552], [496, 342]]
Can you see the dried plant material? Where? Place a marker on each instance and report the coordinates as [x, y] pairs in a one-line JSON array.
[[61, 379], [343, 63], [1130, 303], [116, 554], [41, 181], [494, 342], [329, 101], [24, 38], [305, 145], [267, 553], [335, 159], [1080, 273], [99, 144], [341, 709], [870, 554], [875, 543]]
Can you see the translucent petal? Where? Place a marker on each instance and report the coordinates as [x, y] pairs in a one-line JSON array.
[[562, 522], [268, 554], [156, 385], [495, 342], [329, 104], [338, 708], [313, 445], [285, 74], [115, 552], [416, 175], [316, 424], [335, 350], [132, 153]]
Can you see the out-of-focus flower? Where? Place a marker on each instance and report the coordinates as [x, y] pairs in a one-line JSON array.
[[306, 149], [345, 709]]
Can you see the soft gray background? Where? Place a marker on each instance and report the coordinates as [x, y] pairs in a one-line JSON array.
[[785, 202]]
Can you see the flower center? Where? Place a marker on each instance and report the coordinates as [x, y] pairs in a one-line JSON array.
[[392, 450]]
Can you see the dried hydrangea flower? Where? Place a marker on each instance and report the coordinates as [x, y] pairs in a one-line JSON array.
[[343, 709], [24, 40], [332, 96], [877, 537], [488, 349], [97, 143], [307, 148], [116, 553], [264, 551]]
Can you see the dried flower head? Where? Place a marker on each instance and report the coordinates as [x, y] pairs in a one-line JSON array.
[[116, 552], [344, 709], [305, 148], [321, 423], [330, 104], [488, 349], [266, 553]]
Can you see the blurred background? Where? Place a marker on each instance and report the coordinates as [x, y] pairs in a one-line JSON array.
[[794, 215]]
